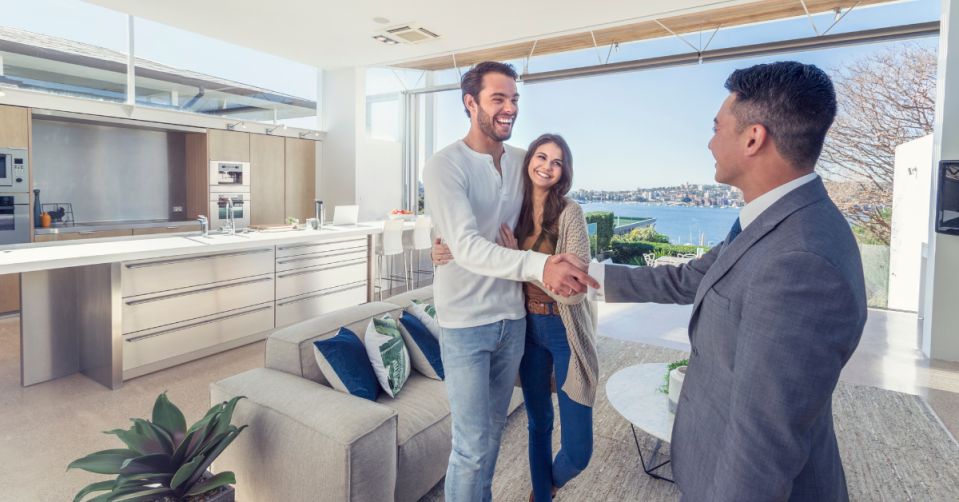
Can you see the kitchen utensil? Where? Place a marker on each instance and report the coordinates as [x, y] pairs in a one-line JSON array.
[[45, 220]]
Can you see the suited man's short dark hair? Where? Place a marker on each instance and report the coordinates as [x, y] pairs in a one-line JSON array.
[[472, 82], [795, 102]]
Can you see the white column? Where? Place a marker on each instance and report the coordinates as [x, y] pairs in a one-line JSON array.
[[940, 335], [131, 64]]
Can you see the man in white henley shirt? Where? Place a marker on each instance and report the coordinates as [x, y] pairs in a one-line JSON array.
[[472, 187]]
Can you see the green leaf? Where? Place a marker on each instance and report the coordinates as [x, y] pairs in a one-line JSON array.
[[213, 454], [223, 424], [223, 478], [181, 451], [214, 441], [94, 487], [168, 416], [135, 441], [104, 462], [126, 480], [143, 495], [185, 472], [158, 462]]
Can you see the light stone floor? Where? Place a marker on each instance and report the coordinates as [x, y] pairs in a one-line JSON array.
[[46, 426]]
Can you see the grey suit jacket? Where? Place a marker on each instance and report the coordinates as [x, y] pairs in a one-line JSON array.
[[777, 313]]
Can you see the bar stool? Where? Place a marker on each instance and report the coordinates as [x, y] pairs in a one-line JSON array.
[[389, 245], [421, 240]]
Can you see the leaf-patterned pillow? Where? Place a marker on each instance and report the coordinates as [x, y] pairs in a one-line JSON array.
[[426, 314], [388, 354]]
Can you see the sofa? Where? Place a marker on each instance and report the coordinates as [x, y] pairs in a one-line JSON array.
[[308, 442]]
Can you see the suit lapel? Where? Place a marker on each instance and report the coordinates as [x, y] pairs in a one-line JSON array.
[[791, 202]]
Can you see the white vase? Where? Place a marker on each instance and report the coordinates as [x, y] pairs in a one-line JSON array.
[[675, 386]]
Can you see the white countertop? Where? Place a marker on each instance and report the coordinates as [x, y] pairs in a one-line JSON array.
[[53, 255]]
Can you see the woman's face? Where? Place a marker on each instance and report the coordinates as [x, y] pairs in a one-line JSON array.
[[546, 166]]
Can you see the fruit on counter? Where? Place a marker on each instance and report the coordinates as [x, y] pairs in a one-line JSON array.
[[400, 211]]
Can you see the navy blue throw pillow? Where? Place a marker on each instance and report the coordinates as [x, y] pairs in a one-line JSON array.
[[343, 361], [422, 345]]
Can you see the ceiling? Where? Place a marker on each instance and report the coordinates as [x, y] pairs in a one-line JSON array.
[[332, 34]]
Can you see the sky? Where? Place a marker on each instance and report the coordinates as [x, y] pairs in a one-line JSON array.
[[642, 129]]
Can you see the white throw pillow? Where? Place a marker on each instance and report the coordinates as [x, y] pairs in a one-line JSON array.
[[426, 313], [388, 354]]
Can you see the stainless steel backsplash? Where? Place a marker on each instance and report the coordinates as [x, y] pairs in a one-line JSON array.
[[110, 173]]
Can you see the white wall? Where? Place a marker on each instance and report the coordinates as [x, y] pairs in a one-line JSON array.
[[912, 180], [379, 177]]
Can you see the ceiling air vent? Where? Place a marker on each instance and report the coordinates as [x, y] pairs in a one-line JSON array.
[[411, 33]]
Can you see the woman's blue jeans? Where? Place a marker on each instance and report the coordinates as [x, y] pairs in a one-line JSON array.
[[547, 350]]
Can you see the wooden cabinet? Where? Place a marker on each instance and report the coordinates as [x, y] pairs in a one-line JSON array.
[[14, 127], [300, 178], [228, 145], [9, 293], [166, 230], [197, 176], [268, 179]]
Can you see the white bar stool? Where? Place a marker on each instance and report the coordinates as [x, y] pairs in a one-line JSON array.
[[389, 245], [422, 239]]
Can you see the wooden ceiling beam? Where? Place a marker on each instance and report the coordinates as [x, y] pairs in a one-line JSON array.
[[685, 24]]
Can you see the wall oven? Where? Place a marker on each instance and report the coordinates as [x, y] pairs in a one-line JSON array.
[[219, 209], [14, 170], [14, 218], [229, 177]]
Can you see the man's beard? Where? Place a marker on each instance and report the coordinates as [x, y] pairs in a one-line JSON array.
[[486, 125]]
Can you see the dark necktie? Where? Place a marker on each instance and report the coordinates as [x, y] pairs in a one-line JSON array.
[[733, 232]]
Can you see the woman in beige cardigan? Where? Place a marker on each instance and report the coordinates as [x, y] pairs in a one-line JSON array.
[[560, 332]]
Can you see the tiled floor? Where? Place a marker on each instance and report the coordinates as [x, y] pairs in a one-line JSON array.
[[44, 427]]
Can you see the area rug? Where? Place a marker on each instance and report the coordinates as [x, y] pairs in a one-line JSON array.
[[893, 448]]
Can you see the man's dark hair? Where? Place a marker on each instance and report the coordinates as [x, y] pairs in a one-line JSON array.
[[795, 102], [472, 82]]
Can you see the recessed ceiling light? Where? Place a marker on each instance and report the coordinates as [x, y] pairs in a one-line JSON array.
[[385, 40], [381, 20]]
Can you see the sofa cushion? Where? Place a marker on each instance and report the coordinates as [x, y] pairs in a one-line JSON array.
[[423, 436], [387, 354], [423, 347], [424, 294], [290, 349], [342, 361]]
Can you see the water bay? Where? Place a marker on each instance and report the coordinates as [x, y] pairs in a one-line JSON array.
[[677, 222]]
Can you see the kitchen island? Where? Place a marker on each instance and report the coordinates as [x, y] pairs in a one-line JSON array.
[[114, 309]]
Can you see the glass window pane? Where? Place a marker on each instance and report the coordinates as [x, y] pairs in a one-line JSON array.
[[64, 47], [180, 70]]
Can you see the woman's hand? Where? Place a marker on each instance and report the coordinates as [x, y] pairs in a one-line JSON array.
[[440, 254], [506, 238]]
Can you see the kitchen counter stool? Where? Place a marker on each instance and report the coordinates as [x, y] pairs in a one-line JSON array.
[[389, 245], [421, 240]]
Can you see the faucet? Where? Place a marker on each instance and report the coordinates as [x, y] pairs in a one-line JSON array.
[[204, 226], [319, 213], [231, 223]]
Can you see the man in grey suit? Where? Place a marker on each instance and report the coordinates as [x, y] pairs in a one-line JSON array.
[[778, 307]]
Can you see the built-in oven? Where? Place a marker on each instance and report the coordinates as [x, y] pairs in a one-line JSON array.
[[228, 176], [14, 170], [14, 218], [219, 209]]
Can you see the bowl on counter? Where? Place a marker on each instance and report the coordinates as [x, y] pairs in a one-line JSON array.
[[401, 216]]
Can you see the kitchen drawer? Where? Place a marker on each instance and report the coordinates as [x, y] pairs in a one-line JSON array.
[[307, 280], [319, 247], [152, 276], [160, 309], [317, 259], [154, 345], [315, 304]]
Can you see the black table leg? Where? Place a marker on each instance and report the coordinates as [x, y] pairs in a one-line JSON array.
[[649, 467]]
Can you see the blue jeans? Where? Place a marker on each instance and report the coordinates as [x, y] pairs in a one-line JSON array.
[[481, 364], [547, 351]]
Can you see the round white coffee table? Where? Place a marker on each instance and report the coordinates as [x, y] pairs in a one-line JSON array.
[[632, 392]]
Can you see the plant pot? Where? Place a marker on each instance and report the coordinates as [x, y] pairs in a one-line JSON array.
[[228, 495], [675, 387]]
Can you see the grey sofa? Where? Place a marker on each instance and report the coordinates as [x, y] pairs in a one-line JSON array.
[[308, 442]]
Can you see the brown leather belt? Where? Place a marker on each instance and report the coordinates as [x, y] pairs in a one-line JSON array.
[[542, 308]]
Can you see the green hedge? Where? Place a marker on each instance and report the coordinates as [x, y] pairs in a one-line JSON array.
[[604, 228], [625, 252]]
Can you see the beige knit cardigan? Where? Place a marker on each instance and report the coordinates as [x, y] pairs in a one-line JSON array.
[[579, 317]]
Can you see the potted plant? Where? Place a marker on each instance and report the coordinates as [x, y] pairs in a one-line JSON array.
[[164, 460], [292, 222]]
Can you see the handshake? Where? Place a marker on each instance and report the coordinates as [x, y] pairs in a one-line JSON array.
[[567, 275]]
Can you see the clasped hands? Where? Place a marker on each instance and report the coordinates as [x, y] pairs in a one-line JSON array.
[[565, 274]]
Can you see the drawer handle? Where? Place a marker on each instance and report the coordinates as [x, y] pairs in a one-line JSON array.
[[195, 258], [171, 228], [324, 269], [341, 290], [87, 233], [326, 255], [327, 243], [194, 325], [195, 291]]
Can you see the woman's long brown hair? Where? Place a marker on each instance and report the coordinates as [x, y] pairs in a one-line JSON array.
[[555, 201]]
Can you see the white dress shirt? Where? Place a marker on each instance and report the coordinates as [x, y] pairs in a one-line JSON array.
[[468, 201], [747, 215]]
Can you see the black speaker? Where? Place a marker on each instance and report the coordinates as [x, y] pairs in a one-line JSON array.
[[947, 198]]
